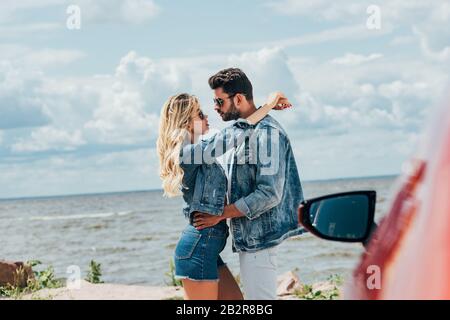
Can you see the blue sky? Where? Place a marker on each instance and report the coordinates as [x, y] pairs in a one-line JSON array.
[[79, 108]]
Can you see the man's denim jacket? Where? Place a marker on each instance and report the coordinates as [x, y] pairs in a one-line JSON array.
[[265, 184]]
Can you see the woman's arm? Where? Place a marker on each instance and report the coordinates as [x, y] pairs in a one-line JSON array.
[[277, 101], [228, 138], [205, 150]]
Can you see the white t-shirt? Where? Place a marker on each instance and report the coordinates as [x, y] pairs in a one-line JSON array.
[[226, 161]]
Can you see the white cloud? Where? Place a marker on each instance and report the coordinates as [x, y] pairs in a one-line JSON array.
[[392, 11], [118, 11], [121, 108], [9, 9], [343, 155], [339, 84], [128, 109], [52, 57], [402, 40], [398, 88], [351, 59], [98, 11], [19, 106], [433, 33], [330, 100], [49, 138], [22, 103], [355, 112], [326, 10], [139, 11], [441, 55], [35, 60], [379, 97], [72, 174], [341, 109], [268, 70], [13, 31], [338, 33], [427, 22]]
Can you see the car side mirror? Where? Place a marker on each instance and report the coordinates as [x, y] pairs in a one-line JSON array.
[[347, 216]]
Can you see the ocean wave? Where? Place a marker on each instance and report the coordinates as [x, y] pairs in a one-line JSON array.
[[82, 216]]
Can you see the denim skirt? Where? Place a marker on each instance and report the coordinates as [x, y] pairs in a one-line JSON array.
[[197, 252]]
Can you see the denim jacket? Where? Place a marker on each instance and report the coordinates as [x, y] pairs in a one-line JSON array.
[[267, 190], [265, 184], [204, 182]]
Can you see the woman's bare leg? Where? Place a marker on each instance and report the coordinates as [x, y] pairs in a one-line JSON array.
[[200, 290], [228, 287]]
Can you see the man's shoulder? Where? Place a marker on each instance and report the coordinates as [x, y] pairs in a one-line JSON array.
[[268, 122]]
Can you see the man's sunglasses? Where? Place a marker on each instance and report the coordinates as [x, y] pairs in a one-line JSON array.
[[219, 101]]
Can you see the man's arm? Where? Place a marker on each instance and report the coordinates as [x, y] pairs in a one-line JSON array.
[[230, 211], [268, 191], [270, 175], [204, 220]]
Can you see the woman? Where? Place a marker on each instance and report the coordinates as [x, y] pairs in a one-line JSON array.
[[197, 261]]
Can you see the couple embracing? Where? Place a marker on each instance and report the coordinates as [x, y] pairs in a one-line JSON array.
[[245, 175]]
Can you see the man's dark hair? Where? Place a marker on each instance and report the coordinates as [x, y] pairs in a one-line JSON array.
[[232, 81]]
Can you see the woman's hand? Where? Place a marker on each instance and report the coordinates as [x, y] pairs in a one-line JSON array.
[[278, 101], [204, 220]]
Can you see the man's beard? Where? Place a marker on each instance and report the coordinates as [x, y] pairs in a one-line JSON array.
[[233, 114]]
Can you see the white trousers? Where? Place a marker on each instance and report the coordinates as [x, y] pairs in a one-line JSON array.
[[259, 274]]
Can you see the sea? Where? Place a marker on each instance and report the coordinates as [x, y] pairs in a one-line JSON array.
[[133, 234]]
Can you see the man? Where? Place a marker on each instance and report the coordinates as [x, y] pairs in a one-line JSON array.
[[264, 189]]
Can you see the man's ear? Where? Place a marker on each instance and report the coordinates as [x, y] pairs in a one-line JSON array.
[[240, 98]]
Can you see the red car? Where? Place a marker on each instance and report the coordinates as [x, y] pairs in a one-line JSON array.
[[408, 255]]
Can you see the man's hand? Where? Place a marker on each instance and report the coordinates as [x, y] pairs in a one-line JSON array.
[[204, 220]]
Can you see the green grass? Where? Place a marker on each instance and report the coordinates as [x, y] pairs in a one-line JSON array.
[[308, 292], [42, 279], [171, 275], [45, 279], [95, 272], [174, 298]]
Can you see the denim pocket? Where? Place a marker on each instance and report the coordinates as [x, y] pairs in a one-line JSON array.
[[186, 245]]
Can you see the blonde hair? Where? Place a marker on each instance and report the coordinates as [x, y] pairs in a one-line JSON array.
[[174, 124]]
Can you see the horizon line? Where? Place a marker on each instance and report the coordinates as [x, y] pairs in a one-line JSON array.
[[154, 190]]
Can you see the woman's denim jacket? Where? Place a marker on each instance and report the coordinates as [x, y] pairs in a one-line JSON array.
[[265, 184], [204, 184]]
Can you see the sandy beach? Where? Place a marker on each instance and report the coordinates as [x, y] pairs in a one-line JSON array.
[[289, 288], [106, 291]]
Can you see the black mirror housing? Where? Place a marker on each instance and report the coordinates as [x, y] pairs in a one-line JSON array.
[[346, 216]]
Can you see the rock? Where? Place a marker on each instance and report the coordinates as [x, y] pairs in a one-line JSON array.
[[324, 286], [288, 283], [15, 274]]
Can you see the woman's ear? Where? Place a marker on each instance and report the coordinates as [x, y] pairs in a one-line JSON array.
[[189, 128]]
